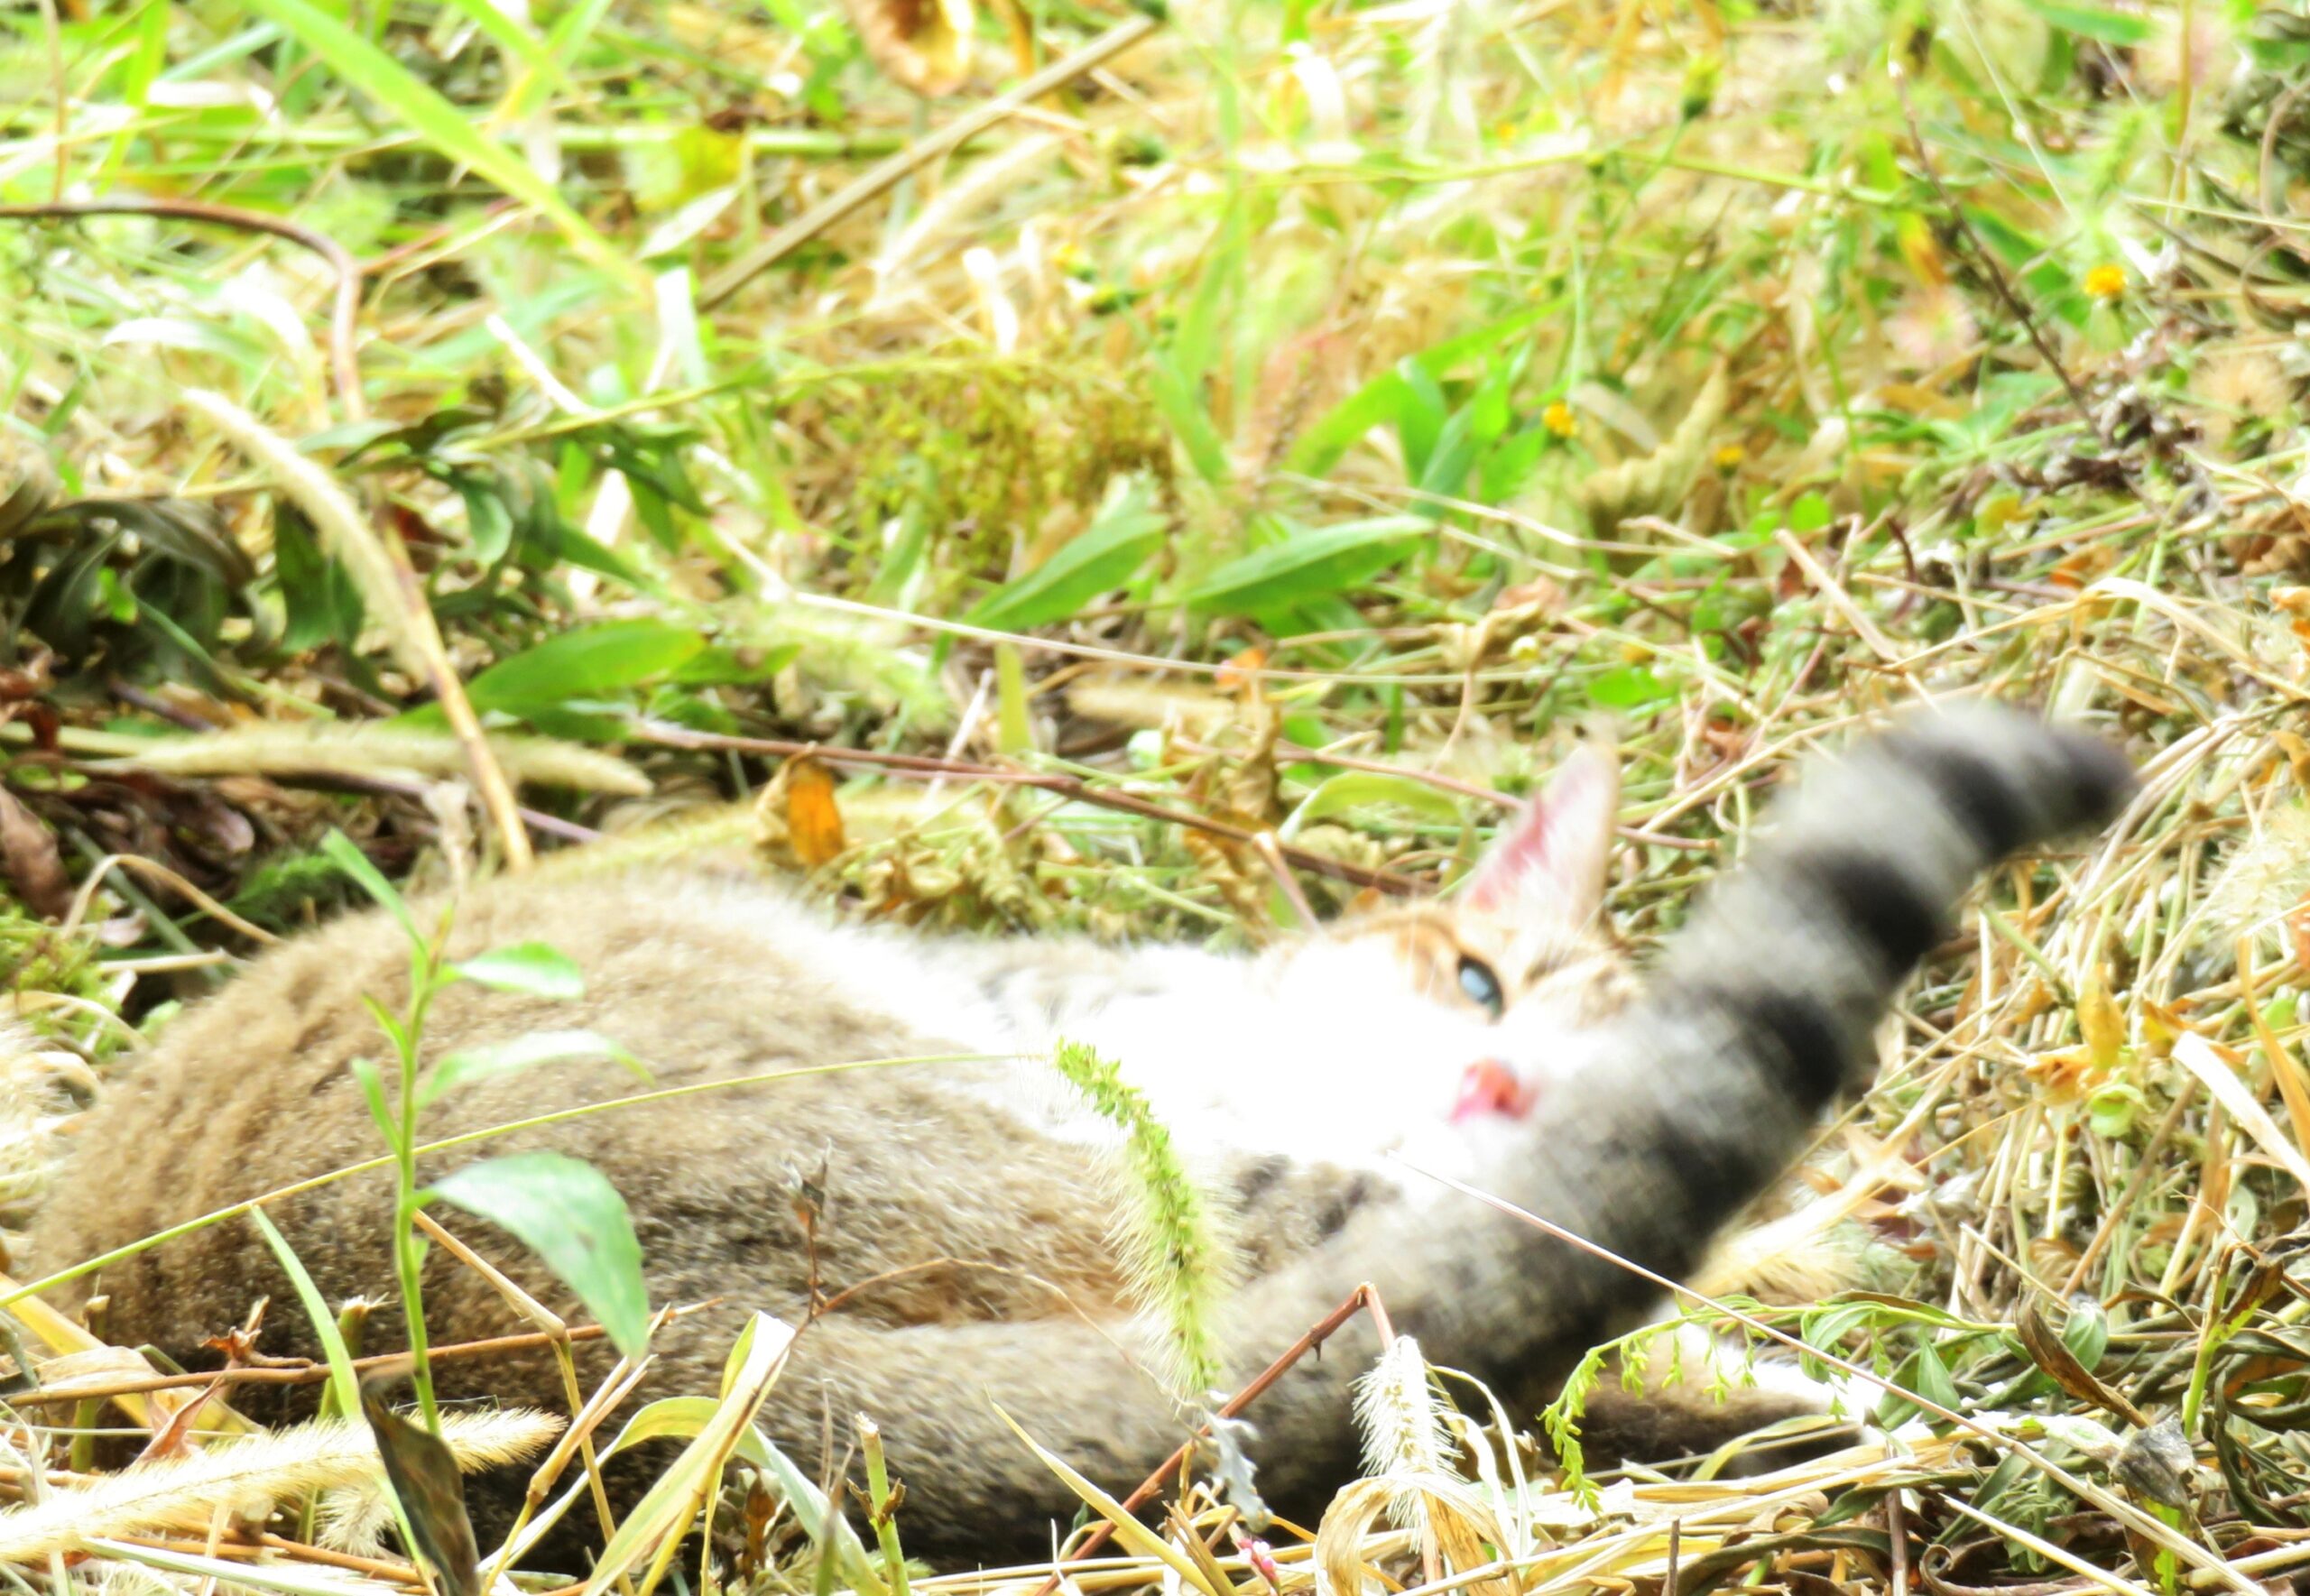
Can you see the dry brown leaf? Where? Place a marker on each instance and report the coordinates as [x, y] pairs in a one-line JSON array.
[[425, 1477], [813, 820], [922, 45], [2098, 1019], [31, 862]]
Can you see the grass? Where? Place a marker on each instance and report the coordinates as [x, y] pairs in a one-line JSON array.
[[1293, 426]]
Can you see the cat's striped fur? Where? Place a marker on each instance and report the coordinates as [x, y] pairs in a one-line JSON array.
[[1300, 1083]]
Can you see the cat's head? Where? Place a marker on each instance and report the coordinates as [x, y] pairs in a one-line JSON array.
[[1519, 955]]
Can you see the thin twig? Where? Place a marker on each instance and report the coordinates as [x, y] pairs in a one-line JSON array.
[[305, 1374], [888, 174], [345, 307], [1363, 1299], [536, 820], [669, 735], [1990, 268]]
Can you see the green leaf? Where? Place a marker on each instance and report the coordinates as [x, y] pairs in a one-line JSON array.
[[511, 36], [340, 852], [441, 125], [534, 969], [721, 666], [1810, 514], [1177, 399], [1628, 687], [1361, 789], [1196, 344], [423, 1474], [1309, 565], [1342, 426], [1446, 474], [684, 1418], [489, 524], [660, 1518], [2093, 22], [344, 1381], [2087, 1333], [317, 597], [568, 1212], [1014, 727], [1107, 554], [1420, 417], [1923, 1372], [468, 1065], [592, 663], [371, 1082]]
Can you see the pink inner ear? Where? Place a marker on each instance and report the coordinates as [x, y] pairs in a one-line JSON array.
[[1515, 855], [1557, 850]]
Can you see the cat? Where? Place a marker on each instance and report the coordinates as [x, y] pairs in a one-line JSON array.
[[1315, 1090]]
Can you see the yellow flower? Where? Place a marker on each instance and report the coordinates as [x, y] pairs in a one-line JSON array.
[[2106, 281], [1559, 419], [1729, 458]]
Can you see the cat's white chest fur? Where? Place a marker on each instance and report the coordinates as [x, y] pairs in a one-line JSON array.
[[1332, 1056], [1323, 1060]]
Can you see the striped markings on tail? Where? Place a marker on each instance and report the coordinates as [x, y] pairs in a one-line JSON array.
[[1806, 1024]]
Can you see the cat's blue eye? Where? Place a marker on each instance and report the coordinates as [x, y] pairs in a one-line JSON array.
[[1480, 986]]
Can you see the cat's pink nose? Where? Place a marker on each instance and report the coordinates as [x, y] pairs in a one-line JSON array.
[[1490, 1087]]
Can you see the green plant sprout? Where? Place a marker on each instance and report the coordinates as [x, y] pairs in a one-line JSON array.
[[561, 1208]]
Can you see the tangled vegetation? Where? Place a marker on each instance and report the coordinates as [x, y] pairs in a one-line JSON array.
[[509, 436]]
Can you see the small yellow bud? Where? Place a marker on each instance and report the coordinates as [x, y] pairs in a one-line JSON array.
[[1729, 458], [1559, 419], [2106, 281]]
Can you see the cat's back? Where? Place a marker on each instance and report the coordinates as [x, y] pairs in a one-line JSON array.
[[701, 976]]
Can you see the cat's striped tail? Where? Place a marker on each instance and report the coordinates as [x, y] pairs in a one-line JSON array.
[[1763, 1007], [1793, 958]]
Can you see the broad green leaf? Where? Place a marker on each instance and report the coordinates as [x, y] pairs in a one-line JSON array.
[[340, 852], [1113, 547], [1319, 447], [1309, 565], [2097, 22], [536, 969], [1446, 474], [593, 662], [1420, 417], [1628, 687], [321, 601], [468, 1065], [1361, 789], [568, 1212], [441, 125], [1182, 406], [1810, 514], [2087, 1333], [719, 667], [1340, 428]]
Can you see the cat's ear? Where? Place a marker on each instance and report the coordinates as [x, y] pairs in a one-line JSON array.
[[1551, 863]]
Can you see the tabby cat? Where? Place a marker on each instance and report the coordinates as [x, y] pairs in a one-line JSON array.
[[1315, 1089]]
